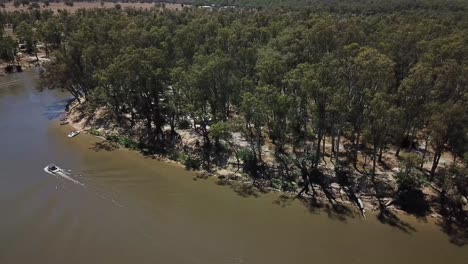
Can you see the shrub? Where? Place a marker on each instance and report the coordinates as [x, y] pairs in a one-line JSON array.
[[184, 124], [250, 162], [410, 181], [176, 156], [410, 178], [192, 163], [95, 132], [124, 141], [118, 7]]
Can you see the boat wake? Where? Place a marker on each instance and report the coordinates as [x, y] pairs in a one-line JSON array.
[[63, 174], [66, 174]]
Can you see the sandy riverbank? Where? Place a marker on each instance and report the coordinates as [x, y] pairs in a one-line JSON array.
[[26, 61], [229, 175]]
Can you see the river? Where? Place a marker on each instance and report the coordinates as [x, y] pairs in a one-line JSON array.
[[134, 209]]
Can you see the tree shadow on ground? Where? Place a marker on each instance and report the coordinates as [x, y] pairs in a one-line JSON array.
[[335, 211], [105, 145], [387, 217], [56, 109], [284, 200], [385, 189], [454, 221], [242, 189], [414, 202]]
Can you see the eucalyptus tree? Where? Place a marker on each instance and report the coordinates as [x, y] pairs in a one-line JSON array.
[[7, 49], [136, 82], [366, 72]]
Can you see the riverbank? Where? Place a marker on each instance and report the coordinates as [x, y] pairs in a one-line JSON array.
[[165, 215], [337, 196], [25, 61]]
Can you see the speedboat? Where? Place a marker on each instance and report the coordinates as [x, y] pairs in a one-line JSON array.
[[74, 134], [55, 170], [52, 168]]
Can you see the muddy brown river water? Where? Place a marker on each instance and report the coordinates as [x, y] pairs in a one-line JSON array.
[[137, 210]]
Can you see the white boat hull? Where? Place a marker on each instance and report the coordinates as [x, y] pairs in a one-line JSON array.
[[73, 134]]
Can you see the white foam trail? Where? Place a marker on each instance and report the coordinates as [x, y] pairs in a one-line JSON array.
[[64, 175], [8, 83]]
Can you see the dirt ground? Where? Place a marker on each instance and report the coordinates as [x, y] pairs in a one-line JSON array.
[[9, 7]]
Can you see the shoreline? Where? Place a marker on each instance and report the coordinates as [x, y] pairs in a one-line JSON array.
[[237, 179]]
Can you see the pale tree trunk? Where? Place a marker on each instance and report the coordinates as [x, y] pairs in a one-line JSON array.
[[424, 154], [323, 146], [356, 148], [374, 160], [337, 154]]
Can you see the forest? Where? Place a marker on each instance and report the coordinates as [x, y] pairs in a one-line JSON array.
[[374, 102]]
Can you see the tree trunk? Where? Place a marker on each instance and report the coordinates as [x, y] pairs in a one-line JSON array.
[[317, 149], [435, 163], [424, 154], [380, 153], [323, 146], [397, 153], [411, 138], [356, 148], [332, 152], [35, 54], [374, 160], [337, 153], [259, 146]]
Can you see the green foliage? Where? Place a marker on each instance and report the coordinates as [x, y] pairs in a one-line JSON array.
[[192, 162], [95, 132], [184, 124], [221, 130], [7, 49], [25, 33], [246, 155], [409, 177], [176, 156], [286, 78], [123, 141], [355, 6]]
